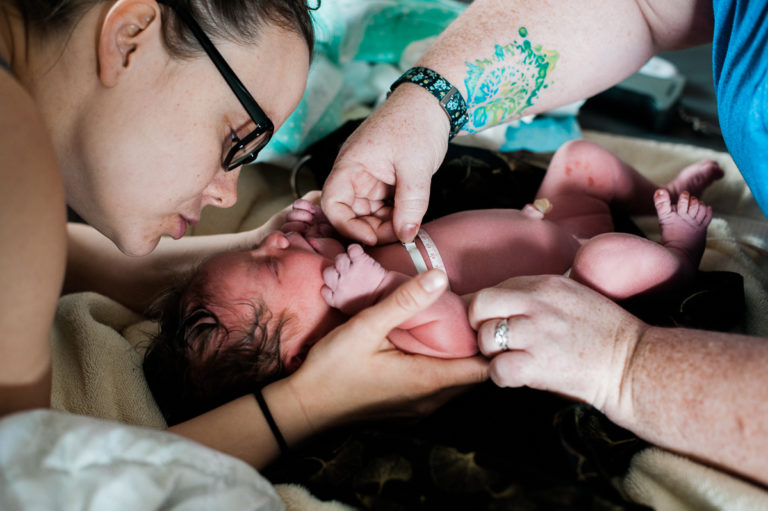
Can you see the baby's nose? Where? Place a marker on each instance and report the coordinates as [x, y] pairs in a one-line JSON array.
[[277, 239]]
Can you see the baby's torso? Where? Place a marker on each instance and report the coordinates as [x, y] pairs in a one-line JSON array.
[[484, 247]]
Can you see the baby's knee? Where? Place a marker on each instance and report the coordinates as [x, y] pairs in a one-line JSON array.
[[606, 265], [591, 258], [577, 149]]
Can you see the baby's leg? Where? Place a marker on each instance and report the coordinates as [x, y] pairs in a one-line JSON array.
[[583, 168], [584, 180], [622, 265]]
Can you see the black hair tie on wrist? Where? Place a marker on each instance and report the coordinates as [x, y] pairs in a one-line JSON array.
[[271, 422]]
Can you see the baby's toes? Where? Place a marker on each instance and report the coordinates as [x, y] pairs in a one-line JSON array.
[[703, 215], [693, 208], [682, 202], [662, 202]]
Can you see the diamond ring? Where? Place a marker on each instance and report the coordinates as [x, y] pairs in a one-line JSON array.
[[501, 336]]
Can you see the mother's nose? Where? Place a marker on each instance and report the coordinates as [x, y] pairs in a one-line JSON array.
[[221, 192]]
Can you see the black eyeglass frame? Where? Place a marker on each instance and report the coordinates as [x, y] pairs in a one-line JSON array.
[[257, 115]]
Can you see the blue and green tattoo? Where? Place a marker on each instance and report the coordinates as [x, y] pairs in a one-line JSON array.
[[505, 85]]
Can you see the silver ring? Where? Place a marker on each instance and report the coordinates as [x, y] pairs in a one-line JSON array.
[[501, 336]]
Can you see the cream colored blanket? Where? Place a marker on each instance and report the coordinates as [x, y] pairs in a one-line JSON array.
[[98, 344]]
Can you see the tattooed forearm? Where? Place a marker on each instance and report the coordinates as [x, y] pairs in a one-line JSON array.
[[503, 86]]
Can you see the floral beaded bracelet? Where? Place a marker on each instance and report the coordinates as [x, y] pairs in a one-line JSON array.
[[451, 100]]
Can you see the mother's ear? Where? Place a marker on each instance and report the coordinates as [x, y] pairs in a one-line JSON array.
[[130, 28]]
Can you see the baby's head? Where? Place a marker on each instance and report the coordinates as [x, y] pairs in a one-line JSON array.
[[242, 320]]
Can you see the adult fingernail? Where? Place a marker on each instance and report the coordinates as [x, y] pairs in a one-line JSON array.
[[433, 280], [408, 232]]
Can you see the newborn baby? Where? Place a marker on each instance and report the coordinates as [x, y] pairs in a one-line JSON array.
[[250, 316]]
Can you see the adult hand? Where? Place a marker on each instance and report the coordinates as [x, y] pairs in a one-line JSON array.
[[355, 373], [562, 337], [393, 153]]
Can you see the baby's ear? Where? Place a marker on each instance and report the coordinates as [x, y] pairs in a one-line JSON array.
[[294, 349], [292, 363]]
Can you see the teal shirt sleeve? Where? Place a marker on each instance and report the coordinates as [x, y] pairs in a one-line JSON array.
[[740, 66]]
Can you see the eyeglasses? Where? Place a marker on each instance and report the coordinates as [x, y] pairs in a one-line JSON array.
[[245, 150]]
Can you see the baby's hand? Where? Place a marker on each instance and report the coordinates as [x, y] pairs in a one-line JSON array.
[[351, 284], [307, 218]]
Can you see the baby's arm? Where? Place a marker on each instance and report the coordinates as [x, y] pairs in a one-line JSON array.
[[356, 281]]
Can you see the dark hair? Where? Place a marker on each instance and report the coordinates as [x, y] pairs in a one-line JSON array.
[[233, 20], [184, 380]]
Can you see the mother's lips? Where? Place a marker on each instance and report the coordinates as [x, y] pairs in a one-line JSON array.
[[181, 229]]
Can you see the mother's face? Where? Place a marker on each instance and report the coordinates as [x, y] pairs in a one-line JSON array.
[[152, 145]]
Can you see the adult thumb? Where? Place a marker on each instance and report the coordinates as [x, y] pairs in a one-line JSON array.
[[411, 201], [406, 301]]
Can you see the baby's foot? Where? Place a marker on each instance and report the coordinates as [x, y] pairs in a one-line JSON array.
[[694, 179], [684, 225], [351, 283]]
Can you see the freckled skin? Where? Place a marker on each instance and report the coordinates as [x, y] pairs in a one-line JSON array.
[[507, 83]]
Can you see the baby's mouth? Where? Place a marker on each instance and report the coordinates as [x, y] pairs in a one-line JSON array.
[[308, 241], [312, 242]]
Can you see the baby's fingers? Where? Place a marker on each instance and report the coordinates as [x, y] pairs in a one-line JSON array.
[[300, 227], [305, 205], [300, 215], [331, 277]]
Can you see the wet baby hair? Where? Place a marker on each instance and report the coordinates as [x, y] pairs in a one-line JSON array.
[[195, 363]]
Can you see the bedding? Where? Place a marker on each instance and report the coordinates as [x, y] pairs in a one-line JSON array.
[[98, 344], [62, 461]]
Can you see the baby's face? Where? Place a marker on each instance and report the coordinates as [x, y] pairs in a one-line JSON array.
[[285, 273]]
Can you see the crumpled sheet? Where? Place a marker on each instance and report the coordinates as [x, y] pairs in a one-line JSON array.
[[59, 461]]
